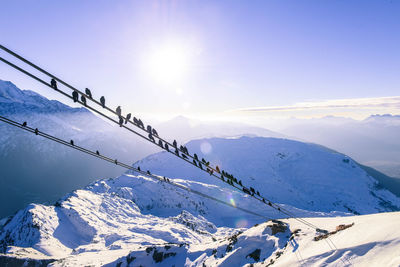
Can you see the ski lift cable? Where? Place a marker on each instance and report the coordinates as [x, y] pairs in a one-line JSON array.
[[92, 153], [260, 198]]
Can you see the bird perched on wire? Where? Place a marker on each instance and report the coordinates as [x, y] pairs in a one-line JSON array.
[[83, 99], [75, 96], [128, 117], [88, 93], [53, 83], [118, 110], [141, 124], [151, 138], [103, 101]]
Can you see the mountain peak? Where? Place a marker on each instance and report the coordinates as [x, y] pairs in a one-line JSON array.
[[385, 119], [377, 116], [14, 100], [9, 91]]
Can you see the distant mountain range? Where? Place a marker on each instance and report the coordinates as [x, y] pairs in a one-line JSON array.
[[374, 141], [184, 129]]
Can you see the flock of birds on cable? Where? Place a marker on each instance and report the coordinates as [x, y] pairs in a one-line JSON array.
[[202, 164]]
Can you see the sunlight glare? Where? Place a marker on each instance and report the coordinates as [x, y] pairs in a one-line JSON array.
[[168, 63]]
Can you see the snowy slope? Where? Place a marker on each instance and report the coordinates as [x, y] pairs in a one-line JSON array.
[[373, 240], [107, 223], [128, 213], [304, 175]]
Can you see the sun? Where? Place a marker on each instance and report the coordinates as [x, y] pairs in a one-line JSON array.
[[168, 63]]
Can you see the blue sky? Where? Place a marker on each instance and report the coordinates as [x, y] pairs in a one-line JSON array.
[[236, 54]]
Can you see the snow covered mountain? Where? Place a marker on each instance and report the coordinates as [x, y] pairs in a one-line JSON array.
[[136, 221], [128, 212], [303, 175]]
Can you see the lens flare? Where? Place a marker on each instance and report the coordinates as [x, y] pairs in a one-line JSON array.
[[232, 201], [205, 148], [242, 223]]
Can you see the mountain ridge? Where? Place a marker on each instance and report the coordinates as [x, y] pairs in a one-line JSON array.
[[14, 100], [286, 171]]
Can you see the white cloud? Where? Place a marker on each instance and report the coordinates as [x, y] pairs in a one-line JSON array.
[[384, 103]]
